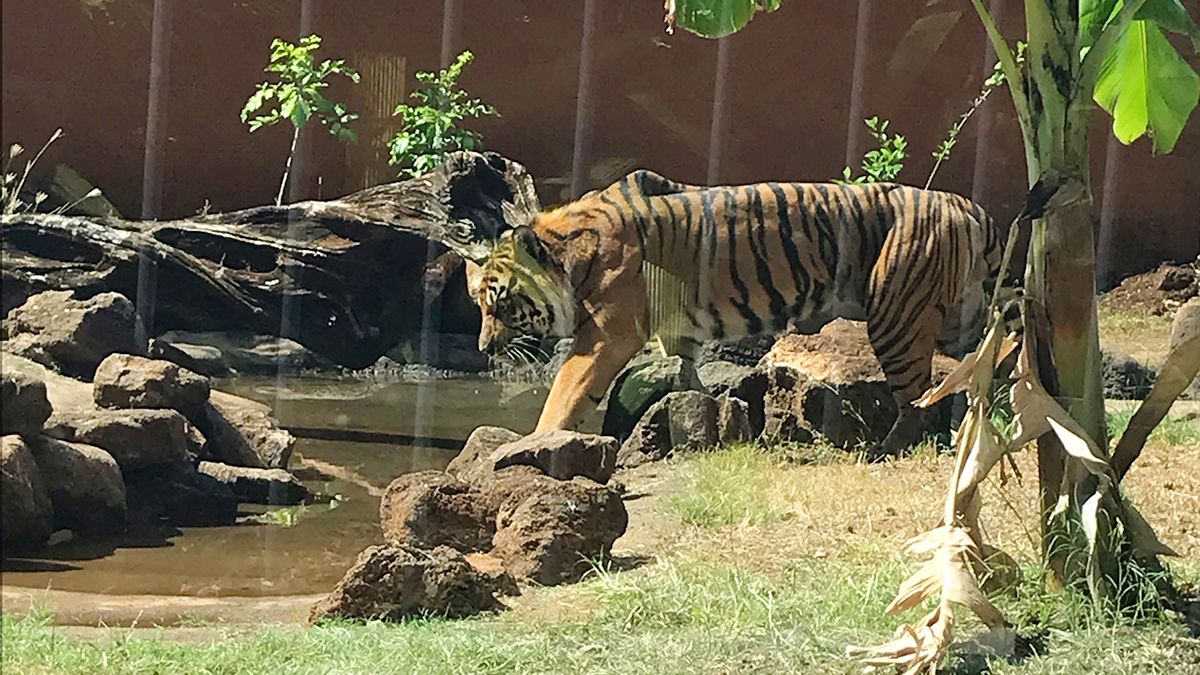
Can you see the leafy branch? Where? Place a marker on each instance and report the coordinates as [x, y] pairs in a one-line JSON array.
[[297, 95]]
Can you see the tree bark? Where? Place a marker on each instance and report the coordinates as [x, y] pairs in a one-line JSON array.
[[355, 267]]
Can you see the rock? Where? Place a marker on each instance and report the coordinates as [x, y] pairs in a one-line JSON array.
[[471, 464], [136, 438], [393, 583], [178, 494], [1176, 278], [560, 454], [202, 359], [686, 419], [64, 393], [24, 407], [431, 508], [258, 486], [747, 383], [56, 330], [641, 384], [733, 420], [492, 569], [84, 483], [831, 383], [26, 514], [241, 432], [747, 351], [549, 534], [128, 381], [1123, 377], [249, 353]]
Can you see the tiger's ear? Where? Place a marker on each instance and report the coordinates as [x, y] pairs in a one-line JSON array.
[[527, 240]]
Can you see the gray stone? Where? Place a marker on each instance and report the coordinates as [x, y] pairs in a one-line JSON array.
[[642, 383], [24, 407], [1123, 377], [258, 486], [733, 420], [561, 454], [84, 483], [472, 463], [250, 353], [393, 583], [241, 432], [203, 359], [431, 508], [179, 495], [681, 420], [27, 514], [56, 330], [747, 383], [136, 438], [1186, 326], [128, 381]]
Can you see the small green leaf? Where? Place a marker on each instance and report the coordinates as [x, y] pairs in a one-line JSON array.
[[718, 18], [1147, 87]]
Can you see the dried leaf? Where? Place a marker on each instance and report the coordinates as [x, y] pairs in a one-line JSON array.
[[1078, 445], [960, 377]]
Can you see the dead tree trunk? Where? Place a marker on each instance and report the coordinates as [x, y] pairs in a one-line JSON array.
[[354, 269]]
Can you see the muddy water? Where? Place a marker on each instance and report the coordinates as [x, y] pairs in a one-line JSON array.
[[305, 549]]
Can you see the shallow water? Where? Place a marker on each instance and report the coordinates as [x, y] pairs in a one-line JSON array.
[[311, 555]]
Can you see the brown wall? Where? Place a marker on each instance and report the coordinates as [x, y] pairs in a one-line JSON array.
[[788, 95]]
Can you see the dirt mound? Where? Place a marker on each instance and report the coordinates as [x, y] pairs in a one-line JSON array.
[[1157, 292]]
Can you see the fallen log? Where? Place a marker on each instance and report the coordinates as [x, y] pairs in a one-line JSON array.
[[347, 278]]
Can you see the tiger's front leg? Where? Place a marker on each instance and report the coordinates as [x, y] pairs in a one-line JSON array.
[[599, 354]]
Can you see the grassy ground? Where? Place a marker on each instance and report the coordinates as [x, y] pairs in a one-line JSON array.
[[764, 561]]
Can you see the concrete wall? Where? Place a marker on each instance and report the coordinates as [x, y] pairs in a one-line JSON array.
[[786, 104]]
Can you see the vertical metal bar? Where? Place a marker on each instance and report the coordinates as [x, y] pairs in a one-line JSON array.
[[986, 118], [1109, 207], [298, 178], [152, 163], [451, 20], [719, 128], [581, 160], [854, 123]]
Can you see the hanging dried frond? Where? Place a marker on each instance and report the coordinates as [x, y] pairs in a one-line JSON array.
[[960, 377]]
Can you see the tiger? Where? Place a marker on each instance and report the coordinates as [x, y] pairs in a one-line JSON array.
[[917, 265]]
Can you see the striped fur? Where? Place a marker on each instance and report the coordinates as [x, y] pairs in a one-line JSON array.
[[916, 265]]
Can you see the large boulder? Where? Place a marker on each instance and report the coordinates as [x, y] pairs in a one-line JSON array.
[[258, 486], [56, 330], [241, 432], [686, 420], [831, 383], [642, 383], [733, 420], [560, 454], [394, 583], [26, 514], [747, 383], [84, 483], [431, 508], [136, 438], [128, 381], [471, 464], [24, 407], [179, 495], [202, 359], [549, 534]]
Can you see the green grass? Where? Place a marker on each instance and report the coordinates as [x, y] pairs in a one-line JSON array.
[[682, 615], [731, 486], [1173, 430]]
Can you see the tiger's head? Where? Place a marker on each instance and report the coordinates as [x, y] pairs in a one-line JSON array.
[[522, 293]]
